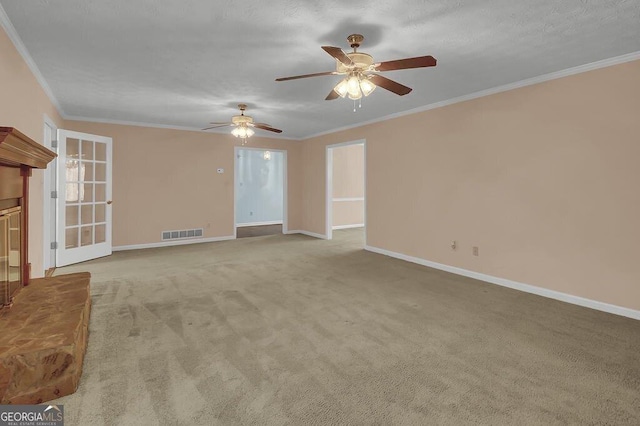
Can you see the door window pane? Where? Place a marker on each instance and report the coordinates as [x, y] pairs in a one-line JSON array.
[[101, 212], [71, 238], [73, 148], [71, 215], [87, 171], [101, 151], [101, 233], [101, 172], [87, 150], [101, 192], [71, 193], [86, 235], [87, 192], [87, 214]]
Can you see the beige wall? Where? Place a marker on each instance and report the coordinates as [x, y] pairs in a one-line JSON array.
[[348, 182], [24, 106], [543, 179], [166, 179]]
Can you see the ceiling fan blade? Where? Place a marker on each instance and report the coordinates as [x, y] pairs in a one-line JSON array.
[[218, 125], [332, 95], [266, 127], [219, 122], [403, 64], [390, 85], [338, 53], [317, 74]]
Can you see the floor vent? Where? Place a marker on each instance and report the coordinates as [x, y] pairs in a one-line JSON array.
[[182, 234]]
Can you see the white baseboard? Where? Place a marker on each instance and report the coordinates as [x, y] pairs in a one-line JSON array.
[[527, 288], [173, 243], [311, 234], [273, 222], [354, 225]]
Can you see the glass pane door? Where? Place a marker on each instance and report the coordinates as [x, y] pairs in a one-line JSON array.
[[85, 176]]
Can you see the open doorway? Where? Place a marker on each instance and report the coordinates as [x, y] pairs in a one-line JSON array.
[[260, 192], [346, 189]]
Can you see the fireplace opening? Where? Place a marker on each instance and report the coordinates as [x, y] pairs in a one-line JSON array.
[[10, 254]]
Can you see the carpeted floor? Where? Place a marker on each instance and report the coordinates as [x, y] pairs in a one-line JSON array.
[[289, 329]]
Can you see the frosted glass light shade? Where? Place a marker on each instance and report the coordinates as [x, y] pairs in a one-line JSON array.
[[341, 88], [353, 87], [242, 132], [367, 86]]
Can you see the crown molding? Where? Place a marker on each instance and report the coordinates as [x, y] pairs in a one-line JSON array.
[[629, 57], [22, 50], [164, 126], [20, 47]]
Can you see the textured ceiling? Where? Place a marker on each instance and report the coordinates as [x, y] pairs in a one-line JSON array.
[[185, 63]]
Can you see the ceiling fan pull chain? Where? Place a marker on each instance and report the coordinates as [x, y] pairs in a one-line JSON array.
[[354, 105], [360, 103]]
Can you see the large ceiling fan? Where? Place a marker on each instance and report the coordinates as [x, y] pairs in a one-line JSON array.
[[361, 73], [242, 125]]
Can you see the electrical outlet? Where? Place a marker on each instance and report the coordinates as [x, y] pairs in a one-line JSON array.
[[454, 245], [475, 251]]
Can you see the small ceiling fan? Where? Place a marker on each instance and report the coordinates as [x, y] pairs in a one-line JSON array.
[[361, 72], [242, 125]]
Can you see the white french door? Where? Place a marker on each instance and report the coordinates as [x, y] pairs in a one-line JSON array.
[[84, 197]]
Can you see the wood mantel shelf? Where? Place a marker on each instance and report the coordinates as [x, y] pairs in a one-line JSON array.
[[17, 149]]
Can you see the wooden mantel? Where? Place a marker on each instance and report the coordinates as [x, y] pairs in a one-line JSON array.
[[19, 154], [17, 149]]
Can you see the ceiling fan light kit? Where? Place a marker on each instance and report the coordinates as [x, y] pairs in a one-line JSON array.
[[355, 86], [243, 125], [361, 72]]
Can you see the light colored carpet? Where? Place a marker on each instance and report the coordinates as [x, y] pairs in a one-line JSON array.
[[288, 329]]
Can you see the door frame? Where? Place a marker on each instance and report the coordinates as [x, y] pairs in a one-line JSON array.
[[285, 186], [49, 205], [329, 186]]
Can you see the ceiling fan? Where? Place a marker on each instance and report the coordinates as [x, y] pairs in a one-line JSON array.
[[361, 73], [242, 125]]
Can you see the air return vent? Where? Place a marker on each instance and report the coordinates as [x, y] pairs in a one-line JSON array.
[[182, 234]]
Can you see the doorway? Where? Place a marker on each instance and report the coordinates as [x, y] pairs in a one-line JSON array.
[[346, 187], [260, 192]]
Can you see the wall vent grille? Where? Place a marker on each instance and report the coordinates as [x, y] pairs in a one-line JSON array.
[[182, 234]]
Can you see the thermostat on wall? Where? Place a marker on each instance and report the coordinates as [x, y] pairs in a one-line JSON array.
[[220, 170]]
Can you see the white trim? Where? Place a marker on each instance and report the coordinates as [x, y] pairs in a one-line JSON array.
[[348, 199], [308, 233], [354, 225], [172, 127], [173, 243], [49, 184], [527, 288], [5, 23], [273, 222], [329, 184], [492, 91]]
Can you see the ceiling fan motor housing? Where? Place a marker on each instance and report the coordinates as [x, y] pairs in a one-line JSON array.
[[240, 119], [361, 62]]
